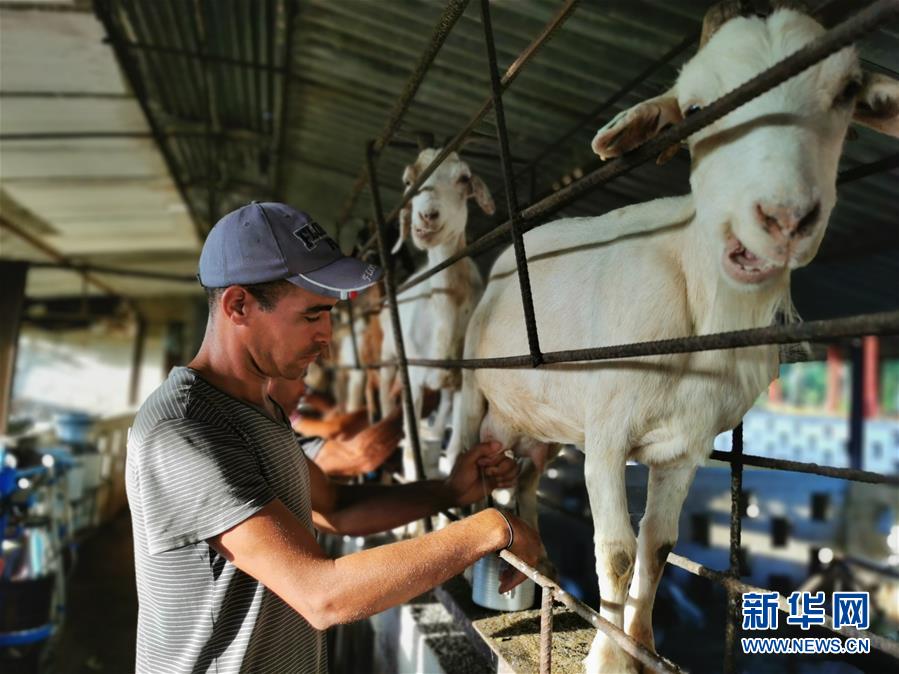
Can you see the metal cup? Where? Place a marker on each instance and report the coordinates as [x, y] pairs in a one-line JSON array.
[[485, 584]]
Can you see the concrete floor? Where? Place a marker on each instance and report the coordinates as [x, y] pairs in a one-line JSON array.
[[100, 631]]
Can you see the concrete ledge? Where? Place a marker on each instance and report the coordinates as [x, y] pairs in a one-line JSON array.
[[513, 639]]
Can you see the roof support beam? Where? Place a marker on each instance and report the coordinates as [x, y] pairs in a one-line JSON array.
[[53, 254]]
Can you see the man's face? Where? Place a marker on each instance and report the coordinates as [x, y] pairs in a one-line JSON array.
[[284, 340]]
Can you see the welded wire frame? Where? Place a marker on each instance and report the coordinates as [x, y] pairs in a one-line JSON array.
[[522, 221]]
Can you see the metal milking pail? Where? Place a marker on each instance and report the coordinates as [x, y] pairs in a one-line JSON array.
[[485, 587]]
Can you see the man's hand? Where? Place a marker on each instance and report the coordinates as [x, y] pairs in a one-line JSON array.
[[479, 471]]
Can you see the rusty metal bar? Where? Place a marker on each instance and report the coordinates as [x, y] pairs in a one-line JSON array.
[[850, 474], [882, 644], [855, 445], [842, 35], [863, 171], [454, 10], [86, 268], [37, 243], [655, 663], [884, 323], [731, 631], [868, 565], [511, 73], [847, 176], [502, 135], [390, 287], [546, 631], [353, 337]]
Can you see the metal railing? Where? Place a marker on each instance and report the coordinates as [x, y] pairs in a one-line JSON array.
[[522, 220]]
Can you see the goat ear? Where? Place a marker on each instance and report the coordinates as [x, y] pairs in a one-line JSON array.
[[877, 105], [633, 127], [409, 175], [405, 219], [482, 195]]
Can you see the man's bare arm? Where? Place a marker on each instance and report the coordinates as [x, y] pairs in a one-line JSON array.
[[276, 549], [359, 510]]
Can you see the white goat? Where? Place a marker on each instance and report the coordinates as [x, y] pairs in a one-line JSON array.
[[434, 315], [763, 185]]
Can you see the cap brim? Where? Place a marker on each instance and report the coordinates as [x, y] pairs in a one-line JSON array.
[[340, 279]]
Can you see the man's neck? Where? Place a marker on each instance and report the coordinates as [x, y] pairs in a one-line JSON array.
[[231, 371]]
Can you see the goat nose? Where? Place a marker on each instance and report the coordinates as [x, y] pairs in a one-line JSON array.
[[790, 221], [430, 216]]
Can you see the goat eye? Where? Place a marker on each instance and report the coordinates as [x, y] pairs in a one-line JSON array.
[[692, 109], [848, 94], [464, 179]]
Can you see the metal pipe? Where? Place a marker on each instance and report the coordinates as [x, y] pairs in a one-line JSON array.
[[454, 10], [353, 336], [546, 631], [53, 254], [521, 258], [86, 268], [835, 39], [864, 170], [883, 644], [399, 341], [851, 474], [649, 659], [731, 631], [884, 323], [855, 445]]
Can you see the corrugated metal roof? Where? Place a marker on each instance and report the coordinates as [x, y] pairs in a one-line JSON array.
[[76, 156], [216, 73]]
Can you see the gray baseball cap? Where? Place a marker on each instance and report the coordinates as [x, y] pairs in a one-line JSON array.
[[263, 242]]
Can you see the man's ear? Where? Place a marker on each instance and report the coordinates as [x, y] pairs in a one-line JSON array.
[[877, 105], [233, 304], [634, 126]]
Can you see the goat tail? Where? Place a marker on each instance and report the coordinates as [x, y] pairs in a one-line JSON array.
[[469, 407]]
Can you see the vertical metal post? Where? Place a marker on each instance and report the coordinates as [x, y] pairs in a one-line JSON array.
[[736, 524], [349, 306], [856, 404], [390, 287], [546, 630], [521, 259], [137, 356]]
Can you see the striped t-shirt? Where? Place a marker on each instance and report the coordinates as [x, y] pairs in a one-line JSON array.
[[200, 462]]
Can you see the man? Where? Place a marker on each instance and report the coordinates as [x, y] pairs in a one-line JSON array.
[[229, 574]]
